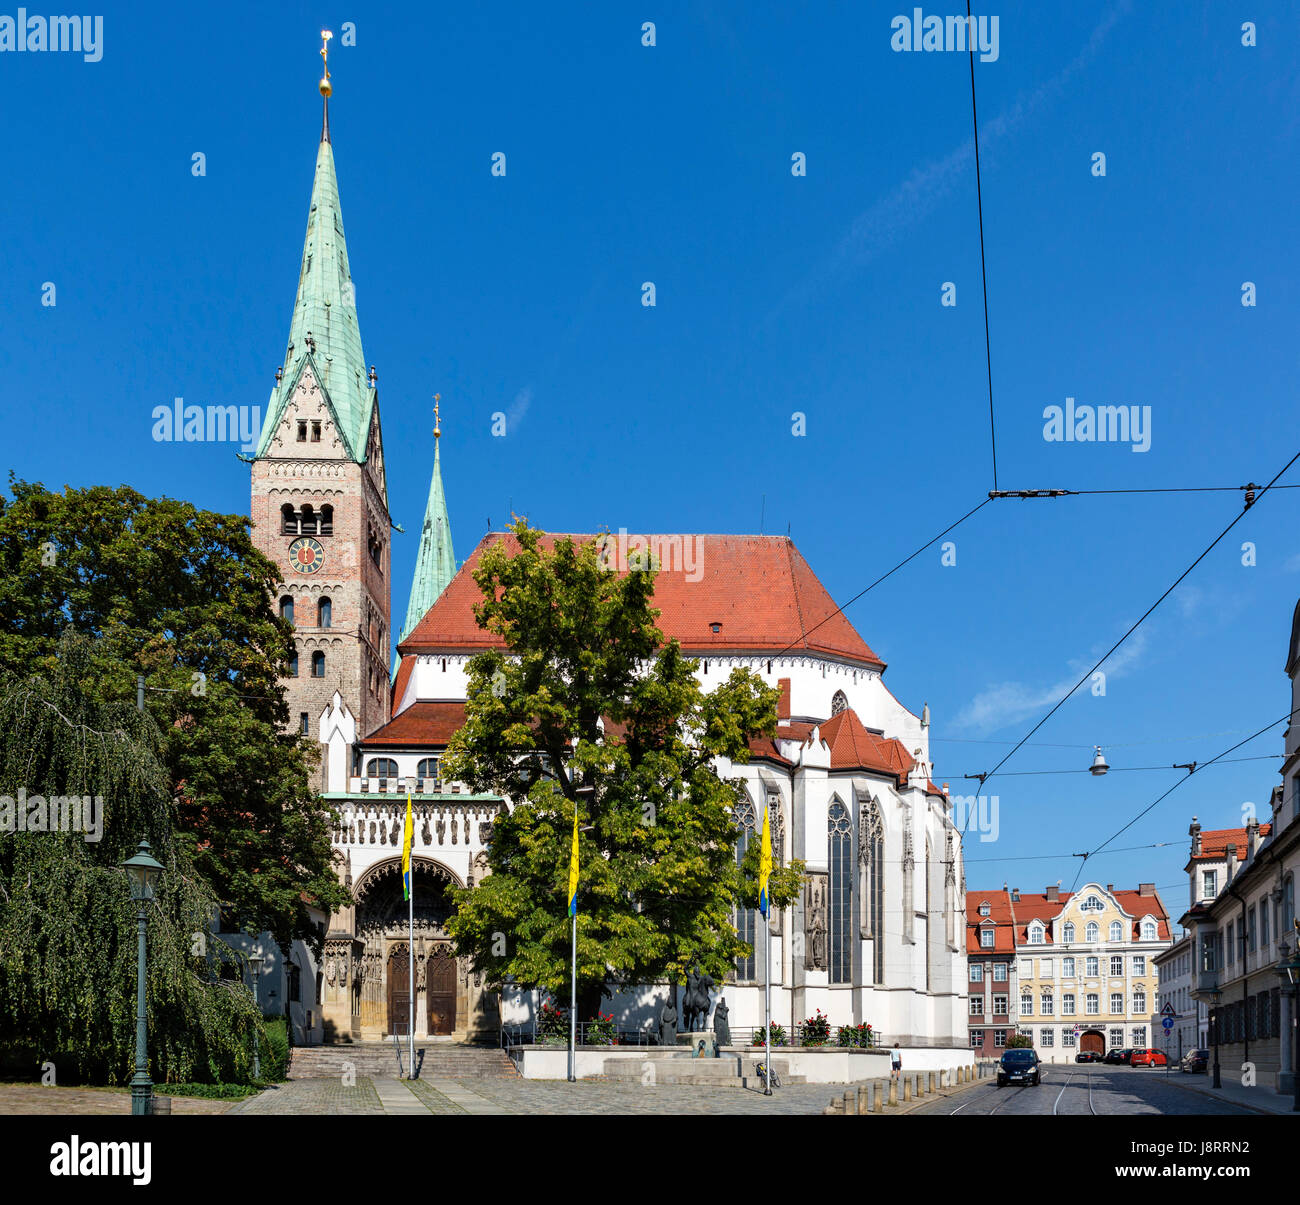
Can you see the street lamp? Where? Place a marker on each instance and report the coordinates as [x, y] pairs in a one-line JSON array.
[[1099, 766], [143, 872], [1214, 994], [1290, 971], [255, 968]]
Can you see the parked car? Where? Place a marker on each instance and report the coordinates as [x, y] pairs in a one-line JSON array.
[[1195, 1060], [1020, 1066], [1148, 1058], [1119, 1055], [1088, 1056]]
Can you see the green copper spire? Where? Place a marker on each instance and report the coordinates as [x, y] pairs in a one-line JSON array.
[[324, 333], [435, 563]]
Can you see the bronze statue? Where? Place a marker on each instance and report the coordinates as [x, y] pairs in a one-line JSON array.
[[695, 1002], [722, 1024], [668, 1024]]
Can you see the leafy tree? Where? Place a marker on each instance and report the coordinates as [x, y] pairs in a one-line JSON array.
[[587, 708], [182, 596], [67, 922]]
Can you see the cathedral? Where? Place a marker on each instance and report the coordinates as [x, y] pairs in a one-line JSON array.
[[877, 936]]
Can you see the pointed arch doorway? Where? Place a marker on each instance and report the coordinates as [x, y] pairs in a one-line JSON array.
[[399, 990], [440, 978]]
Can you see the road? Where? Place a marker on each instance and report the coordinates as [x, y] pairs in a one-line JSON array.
[[1085, 1090]]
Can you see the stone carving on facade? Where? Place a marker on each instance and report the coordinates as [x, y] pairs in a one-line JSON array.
[[815, 921], [870, 832], [909, 867]]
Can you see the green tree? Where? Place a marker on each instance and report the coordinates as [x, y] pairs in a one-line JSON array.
[[183, 596], [587, 708], [67, 922]]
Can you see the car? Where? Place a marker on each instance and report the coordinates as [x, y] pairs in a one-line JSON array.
[[1021, 1066], [1149, 1058], [1088, 1056], [1195, 1060], [1118, 1054]]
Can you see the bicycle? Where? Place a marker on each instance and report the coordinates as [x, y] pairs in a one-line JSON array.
[[760, 1070]]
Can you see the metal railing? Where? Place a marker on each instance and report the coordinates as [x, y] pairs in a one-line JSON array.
[[593, 1034]]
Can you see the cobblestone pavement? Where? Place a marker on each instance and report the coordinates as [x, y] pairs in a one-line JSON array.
[[513, 1096], [314, 1096], [38, 1100]]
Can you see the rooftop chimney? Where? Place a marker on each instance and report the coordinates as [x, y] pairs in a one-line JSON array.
[[1053, 894], [1232, 862], [1146, 889], [1110, 887], [1252, 838], [1195, 833]]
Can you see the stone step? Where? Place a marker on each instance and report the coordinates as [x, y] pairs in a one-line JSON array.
[[371, 1059]]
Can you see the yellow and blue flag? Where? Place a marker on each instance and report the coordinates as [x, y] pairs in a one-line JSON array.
[[764, 865], [407, 834], [573, 867]]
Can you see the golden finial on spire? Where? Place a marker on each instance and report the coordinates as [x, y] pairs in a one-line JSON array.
[[325, 88], [437, 427]]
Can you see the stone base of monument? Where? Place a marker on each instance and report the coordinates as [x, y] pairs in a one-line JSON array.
[[732, 1070], [693, 1040]]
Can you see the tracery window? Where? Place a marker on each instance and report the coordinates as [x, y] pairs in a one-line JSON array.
[[839, 825], [839, 702]]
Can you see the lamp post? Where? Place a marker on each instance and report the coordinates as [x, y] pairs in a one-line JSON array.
[[1290, 971], [143, 871], [255, 971], [1214, 1031]]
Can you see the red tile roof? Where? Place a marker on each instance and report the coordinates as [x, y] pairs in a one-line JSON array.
[[999, 915], [1032, 906], [759, 590], [420, 724], [1215, 842], [853, 747]]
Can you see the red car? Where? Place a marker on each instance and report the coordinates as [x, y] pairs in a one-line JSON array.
[[1148, 1058]]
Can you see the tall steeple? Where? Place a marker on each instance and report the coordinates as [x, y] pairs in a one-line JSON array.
[[435, 562], [324, 333]]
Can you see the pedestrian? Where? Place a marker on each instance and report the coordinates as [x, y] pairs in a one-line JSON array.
[[895, 1062]]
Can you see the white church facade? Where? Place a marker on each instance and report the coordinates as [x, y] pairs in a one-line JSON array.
[[877, 935]]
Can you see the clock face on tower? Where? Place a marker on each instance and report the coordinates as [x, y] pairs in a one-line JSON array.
[[306, 555]]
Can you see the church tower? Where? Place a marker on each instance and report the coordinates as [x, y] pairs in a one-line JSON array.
[[435, 562], [319, 496]]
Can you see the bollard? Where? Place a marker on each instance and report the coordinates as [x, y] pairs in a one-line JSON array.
[[893, 1091], [907, 1088], [878, 1096], [850, 1104], [929, 1081]]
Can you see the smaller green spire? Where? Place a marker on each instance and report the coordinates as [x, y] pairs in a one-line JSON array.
[[435, 562]]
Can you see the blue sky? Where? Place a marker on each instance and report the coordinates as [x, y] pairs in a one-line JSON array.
[[775, 294]]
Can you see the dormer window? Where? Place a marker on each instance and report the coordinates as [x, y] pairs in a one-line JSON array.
[[1036, 934], [715, 627], [985, 910]]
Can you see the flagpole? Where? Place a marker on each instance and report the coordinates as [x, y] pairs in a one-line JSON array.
[[573, 1000], [767, 1006], [410, 978]]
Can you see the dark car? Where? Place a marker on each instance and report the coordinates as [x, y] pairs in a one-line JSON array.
[[1020, 1066], [1195, 1060], [1088, 1056], [1149, 1058], [1119, 1055]]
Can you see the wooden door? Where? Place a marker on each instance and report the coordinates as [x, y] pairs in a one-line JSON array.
[[1092, 1040], [399, 987], [441, 979]]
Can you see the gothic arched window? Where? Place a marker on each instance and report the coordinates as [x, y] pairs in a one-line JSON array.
[[324, 613], [871, 855], [839, 937], [286, 608], [746, 918], [318, 665], [839, 702], [293, 664]]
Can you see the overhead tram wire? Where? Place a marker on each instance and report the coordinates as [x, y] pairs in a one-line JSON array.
[[1199, 766], [1138, 623], [984, 279], [1250, 490], [1123, 769], [803, 635]]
